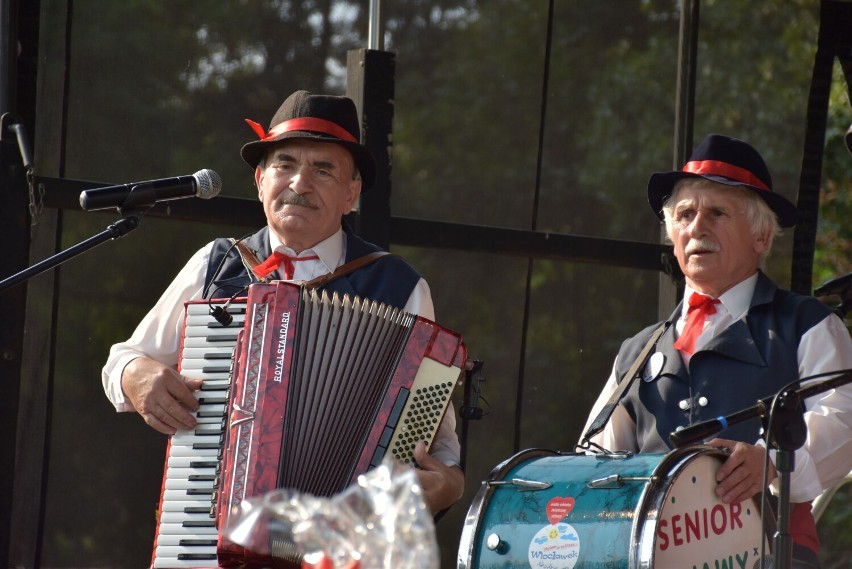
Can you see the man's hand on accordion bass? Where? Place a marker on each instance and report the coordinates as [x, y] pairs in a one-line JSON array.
[[161, 395], [442, 485]]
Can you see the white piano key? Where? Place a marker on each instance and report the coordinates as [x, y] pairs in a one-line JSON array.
[[180, 450], [206, 375], [174, 563], [190, 461], [181, 517], [173, 551], [210, 409], [188, 473], [209, 353], [183, 495], [174, 506], [189, 438], [206, 337], [178, 484]]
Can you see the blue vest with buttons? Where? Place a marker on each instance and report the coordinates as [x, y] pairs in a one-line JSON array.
[[388, 280], [751, 360]]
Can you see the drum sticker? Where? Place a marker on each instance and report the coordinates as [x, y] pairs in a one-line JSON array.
[[557, 545]]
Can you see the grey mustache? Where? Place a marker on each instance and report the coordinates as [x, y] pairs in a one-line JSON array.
[[297, 199]]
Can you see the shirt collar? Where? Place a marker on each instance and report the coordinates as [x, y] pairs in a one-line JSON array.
[[736, 299], [330, 251]]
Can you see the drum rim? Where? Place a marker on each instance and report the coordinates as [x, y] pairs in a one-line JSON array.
[[473, 519]]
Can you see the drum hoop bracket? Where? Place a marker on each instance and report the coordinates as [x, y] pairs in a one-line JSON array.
[[617, 481], [523, 484]]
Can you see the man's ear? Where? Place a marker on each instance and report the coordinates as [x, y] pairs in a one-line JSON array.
[[258, 179], [354, 192], [761, 241]]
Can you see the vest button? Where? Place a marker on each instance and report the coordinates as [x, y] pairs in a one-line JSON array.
[[702, 401], [684, 404]]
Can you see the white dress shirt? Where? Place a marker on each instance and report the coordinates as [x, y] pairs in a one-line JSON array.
[[826, 456], [159, 333]]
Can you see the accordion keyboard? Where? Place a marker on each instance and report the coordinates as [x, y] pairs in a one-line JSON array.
[[186, 533]]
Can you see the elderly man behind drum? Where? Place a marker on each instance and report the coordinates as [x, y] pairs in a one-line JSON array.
[[736, 338]]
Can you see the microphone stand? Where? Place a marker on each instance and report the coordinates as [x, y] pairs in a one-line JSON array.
[[120, 228], [785, 431]]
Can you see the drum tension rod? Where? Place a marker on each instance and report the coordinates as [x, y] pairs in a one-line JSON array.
[[525, 485], [617, 481]]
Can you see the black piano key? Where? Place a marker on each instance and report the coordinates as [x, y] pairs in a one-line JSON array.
[[217, 356], [199, 523], [196, 510], [196, 556], [197, 542], [212, 400], [201, 477]]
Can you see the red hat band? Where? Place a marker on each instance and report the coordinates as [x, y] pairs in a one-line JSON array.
[[299, 124], [718, 168]]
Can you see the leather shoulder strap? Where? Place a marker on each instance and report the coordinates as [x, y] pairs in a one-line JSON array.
[[601, 420], [250, 260], [342, 270]]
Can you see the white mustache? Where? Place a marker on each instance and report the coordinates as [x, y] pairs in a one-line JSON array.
[[702, 245]]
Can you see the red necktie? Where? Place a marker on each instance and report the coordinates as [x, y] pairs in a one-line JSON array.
[[699, 307], [277, 259]]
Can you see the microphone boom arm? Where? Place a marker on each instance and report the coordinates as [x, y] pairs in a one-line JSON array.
[[118, 229]]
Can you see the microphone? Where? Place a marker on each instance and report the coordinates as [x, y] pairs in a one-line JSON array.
[[203, 184], [839, 286], [705, 429]]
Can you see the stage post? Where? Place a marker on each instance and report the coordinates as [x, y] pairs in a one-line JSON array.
[[370, 83]]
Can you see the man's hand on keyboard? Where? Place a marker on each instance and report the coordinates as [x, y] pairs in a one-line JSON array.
[[161, 395]]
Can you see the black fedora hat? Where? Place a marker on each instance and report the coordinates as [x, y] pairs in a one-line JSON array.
[[728, 161], [323, 118]]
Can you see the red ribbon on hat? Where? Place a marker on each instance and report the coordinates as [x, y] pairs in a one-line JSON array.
[[719, 168], [303, 123]]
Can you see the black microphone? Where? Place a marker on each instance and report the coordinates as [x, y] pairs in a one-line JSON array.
[[706, 429], [839, 286], [203, 184]]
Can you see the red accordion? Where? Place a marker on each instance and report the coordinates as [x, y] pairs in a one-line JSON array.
[[301, 391]]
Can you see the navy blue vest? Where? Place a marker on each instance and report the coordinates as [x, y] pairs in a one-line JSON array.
[[389, 280], [752, 359]]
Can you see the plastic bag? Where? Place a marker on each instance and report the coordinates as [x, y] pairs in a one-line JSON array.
[[379, 522]]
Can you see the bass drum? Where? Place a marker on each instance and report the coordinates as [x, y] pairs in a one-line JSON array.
[[546, 510]]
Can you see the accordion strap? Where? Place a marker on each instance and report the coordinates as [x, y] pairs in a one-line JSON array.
[[345, 269], [601, 420], [250, 260]]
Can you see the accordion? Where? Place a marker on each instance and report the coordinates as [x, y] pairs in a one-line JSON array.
[[303, 391]]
